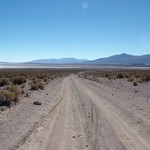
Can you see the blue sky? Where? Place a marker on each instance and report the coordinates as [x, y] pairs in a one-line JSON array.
[[33, 29]]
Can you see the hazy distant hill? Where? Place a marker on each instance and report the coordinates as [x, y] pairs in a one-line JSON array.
[[57, 61], [123, 59]]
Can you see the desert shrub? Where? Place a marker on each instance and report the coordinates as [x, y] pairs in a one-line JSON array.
[[120, 75], [34, 87], [131, 78], [6, 98], [14, 89], [3, 100], [10, 96], [139, 80], [19, 80], [45, 79], [4, 81], [147, 78], [135, 83], [106, 75], [37, 86], [34, 80], [41, 85], [137, 76], [1, 97]]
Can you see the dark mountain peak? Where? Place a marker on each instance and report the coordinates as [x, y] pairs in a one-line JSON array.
[[120, 56], [124, 54], [124, 59]]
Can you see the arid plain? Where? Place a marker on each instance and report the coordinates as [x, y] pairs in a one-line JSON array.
[[76, 110]]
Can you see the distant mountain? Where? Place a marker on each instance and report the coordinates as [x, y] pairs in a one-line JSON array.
[[123, 59], [3, 62], [57, 61]]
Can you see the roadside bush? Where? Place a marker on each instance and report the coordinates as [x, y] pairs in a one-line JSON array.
[[34, 87], [4, 81], [41, 85], [131, 79], [19, 80], [147, 78], [120, 75], [45, 79], [14, 83], [135, 83], [14, 89], [34, 80], [2, 99], [106, 75], [37, 86], [10, 96]]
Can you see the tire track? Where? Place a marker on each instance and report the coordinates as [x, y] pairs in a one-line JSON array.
[[126, 134]]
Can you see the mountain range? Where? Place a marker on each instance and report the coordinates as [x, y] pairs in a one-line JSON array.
[[58, 61], [121, 59]]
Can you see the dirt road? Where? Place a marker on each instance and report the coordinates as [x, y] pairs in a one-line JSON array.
[[89, 116]]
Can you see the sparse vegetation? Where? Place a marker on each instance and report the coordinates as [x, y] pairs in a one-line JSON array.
[[19, 80], [120, 75], [14, 83], [9, 96], [135, 83], [37, 86], [4, 81], [134, 76]]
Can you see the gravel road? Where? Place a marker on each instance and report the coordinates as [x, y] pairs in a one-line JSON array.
[[78, 114]]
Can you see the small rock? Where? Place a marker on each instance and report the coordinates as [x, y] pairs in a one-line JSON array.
[[74, 137], [37, 103], [27, 95], [22, 91]]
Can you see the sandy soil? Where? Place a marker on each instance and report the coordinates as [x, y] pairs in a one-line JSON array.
[[78, 114]]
